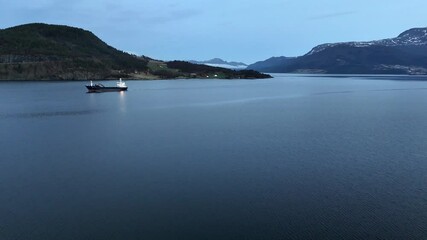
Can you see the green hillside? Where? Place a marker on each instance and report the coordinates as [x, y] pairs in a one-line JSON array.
[[41, 51]]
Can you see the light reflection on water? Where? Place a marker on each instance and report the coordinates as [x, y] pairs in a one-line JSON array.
[[122, 101]]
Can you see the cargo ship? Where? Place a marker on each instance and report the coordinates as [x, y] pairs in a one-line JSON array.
[[98, 87]]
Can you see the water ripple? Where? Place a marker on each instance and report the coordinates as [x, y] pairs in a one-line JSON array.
[[48, 114]]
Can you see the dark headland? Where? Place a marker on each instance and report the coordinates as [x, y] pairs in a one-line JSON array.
[[53, 52]]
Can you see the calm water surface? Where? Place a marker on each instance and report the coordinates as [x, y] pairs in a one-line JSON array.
[[292, 157]]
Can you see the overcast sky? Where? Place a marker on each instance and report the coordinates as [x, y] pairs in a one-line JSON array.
[[234, 30]]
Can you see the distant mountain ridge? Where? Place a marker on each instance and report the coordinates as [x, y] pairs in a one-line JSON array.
[[271, 64], [40, 51], [404, 54], [218, 62]]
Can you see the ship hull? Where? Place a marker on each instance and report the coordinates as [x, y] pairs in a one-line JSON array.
[[105, 89]]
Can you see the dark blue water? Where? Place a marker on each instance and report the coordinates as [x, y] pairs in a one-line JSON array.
[[292, 157]]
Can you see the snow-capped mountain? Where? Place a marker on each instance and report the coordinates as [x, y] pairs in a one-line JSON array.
[[404, 54], [217, 62], [412, 37]]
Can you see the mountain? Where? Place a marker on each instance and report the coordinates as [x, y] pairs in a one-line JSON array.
[[53, 52], [41, 51], [405, 54], [218, 62], [271, 64]]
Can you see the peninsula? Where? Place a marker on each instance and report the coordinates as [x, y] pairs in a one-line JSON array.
[[54, 52]]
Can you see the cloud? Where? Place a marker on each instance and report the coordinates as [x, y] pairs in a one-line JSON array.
[[331, 15], [147, 14], [96, 13], [172, 16]]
